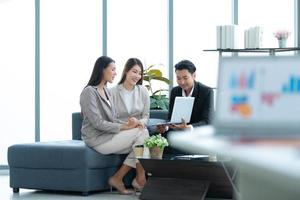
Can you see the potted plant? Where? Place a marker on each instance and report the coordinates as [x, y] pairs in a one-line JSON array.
[[157, 99], [156, 145], [282, 36]]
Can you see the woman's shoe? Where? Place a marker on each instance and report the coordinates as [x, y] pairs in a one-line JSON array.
[[119, 186], [137, 187]]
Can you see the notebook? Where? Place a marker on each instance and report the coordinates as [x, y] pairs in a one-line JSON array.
[[258, 97]]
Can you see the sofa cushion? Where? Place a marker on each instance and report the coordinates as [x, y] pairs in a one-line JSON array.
[[70, 154]]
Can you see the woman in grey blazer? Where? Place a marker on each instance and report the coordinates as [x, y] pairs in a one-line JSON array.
[[101, 130], [132, 100]]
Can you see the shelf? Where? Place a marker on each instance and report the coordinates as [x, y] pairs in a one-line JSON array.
[[256, 50]]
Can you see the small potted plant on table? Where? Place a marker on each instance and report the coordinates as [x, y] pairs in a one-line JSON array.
[[156, 145]]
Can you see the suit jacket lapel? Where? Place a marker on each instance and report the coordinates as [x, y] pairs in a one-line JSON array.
[[178, 92], [135, 102], [113, 111], [196, 89]]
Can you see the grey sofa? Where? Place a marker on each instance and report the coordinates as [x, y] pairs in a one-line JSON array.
[[65, 165]]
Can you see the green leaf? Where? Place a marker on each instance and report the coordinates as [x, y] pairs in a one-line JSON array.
[[160, 90], [162, 104], [146, 78], [154, 73], [155, 65], [167, 81], [156, 141]]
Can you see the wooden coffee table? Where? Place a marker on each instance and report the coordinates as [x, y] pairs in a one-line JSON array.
[[187, 179]]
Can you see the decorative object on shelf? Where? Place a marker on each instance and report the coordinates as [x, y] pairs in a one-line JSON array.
[[253, 37], [282, 36], [270, 51], [226, 36], [156, 145], [157, 99], [282, 43]]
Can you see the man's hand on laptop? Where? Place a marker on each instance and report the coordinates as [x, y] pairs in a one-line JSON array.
[[162, 128], [181, 126]]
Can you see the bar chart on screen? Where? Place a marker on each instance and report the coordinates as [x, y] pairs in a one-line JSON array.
[[260, 89]]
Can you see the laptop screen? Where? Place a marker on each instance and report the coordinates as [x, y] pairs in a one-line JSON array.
[[259, 92], [182, 109]]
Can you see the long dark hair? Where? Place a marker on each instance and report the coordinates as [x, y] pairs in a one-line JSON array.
[[97, 74], [128, 66]]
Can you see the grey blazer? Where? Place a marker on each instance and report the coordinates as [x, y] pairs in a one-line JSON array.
[[99, 118], [141, 103]]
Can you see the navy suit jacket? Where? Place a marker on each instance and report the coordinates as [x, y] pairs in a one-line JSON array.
[[203, 104]]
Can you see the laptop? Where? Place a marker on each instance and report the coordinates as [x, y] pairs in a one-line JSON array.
[[258, 97], [182, 109]]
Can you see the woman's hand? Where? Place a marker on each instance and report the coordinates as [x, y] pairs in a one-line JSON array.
[[141, 125], [131, 123], [137, 122]]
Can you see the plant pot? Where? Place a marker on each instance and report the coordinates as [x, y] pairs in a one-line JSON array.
[[156, 152], [282, 43]]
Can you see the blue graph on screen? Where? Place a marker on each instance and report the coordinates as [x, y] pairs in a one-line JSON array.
[[292, 85]]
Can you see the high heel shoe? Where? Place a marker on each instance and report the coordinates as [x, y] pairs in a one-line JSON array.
[[136, 186], [119, 186]]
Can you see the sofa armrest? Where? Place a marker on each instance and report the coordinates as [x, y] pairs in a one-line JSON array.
[[76, 125]]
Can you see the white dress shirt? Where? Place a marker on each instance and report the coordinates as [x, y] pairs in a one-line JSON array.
[[190, 94]]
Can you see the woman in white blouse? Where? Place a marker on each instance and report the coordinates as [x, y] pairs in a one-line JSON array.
[[132, 101], [102, 131]]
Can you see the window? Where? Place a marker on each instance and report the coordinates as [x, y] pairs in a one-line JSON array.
[[138, 29], [71, 37], [195, 30], [272, 16], [16, 74]]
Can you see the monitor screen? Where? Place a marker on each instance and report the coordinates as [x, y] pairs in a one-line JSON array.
[[260, 91]]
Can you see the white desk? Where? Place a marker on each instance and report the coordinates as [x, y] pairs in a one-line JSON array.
[[265, 172]]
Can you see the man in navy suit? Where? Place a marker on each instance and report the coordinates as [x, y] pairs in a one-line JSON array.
[[187, 86]]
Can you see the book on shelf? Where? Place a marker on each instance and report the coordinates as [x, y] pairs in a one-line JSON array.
[[228, 37], [253, 37]]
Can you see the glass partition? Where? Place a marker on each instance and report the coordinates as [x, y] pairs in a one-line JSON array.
[[272, 16], [16, 74], [138, 29], [195, 30], [71, 34]]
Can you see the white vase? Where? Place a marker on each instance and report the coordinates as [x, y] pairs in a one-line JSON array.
[[282, 43]]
